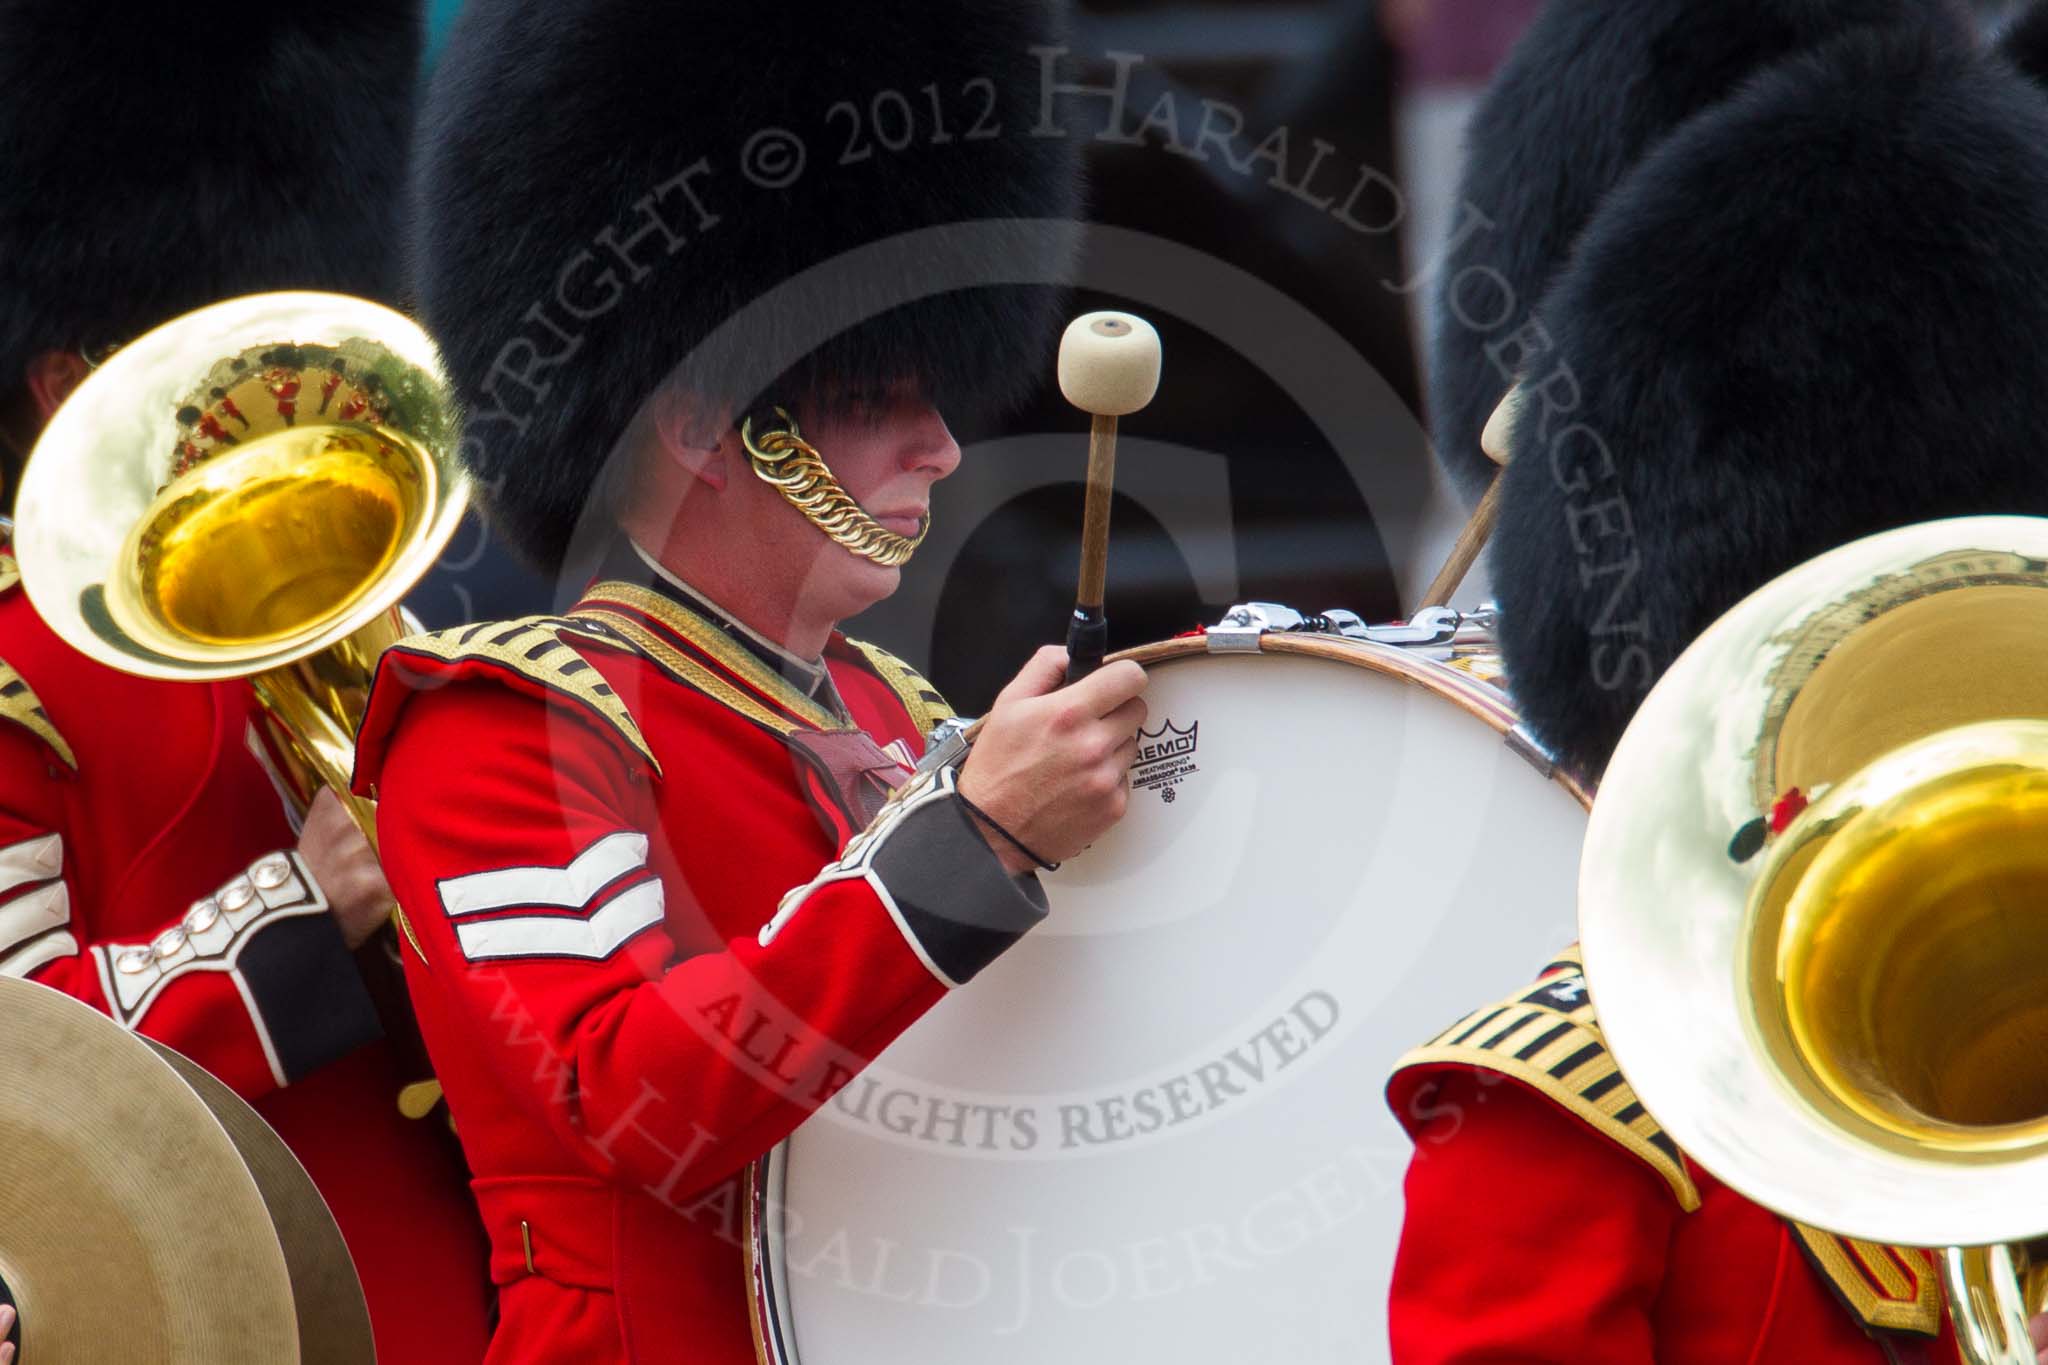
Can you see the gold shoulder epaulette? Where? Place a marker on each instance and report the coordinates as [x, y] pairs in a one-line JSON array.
[[19, 704], [1887, 1289], [1546, 1037], [533, 648], [927, 708], [10, 574]]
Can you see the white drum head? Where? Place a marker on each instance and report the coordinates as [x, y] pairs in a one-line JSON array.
[[1154, 1130]]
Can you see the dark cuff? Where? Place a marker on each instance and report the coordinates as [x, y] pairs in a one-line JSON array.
[[308, 993], [957, 902]]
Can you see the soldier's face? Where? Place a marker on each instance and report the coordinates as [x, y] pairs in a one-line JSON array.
[[887, 452]]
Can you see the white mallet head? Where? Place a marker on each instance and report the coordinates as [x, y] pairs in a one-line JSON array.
[[1109, 363], [1499, 437]]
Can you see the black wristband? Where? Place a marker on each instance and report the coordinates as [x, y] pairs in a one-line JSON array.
[[1015, 842]]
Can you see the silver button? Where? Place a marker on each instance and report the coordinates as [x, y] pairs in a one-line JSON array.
[[202, 916], [271, 872], [169, 943], [236, 894], [133, 961]]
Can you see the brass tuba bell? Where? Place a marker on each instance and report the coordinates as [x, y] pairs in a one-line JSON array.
[[249, 490], [1847, 1021]]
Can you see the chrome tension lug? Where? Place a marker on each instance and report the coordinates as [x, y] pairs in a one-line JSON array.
[[1481, 623], [1430, 627], [1348, 624], [1239, 630]]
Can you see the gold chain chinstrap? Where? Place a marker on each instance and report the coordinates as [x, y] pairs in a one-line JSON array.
[[794, 468]]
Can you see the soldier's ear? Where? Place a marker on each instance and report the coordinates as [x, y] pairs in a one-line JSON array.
[[697, 437], [51, 377]]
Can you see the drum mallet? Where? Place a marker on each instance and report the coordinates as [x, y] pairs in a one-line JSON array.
[[1495, 441], [1109, 368]]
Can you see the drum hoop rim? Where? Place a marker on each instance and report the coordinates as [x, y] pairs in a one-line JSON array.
[[752, 1250], [1470, 694], [765, 1315]]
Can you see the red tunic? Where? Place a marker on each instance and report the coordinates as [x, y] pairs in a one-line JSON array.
[[651, 949], [1550, 1219], [139, 834]]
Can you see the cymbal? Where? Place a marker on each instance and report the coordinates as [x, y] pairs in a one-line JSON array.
[[333, 1318], [131, 1228]]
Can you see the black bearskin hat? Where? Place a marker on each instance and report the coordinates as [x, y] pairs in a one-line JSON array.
[[602, 185], [1813, 314], [2023, 41], [161, 157], [1591, 87]]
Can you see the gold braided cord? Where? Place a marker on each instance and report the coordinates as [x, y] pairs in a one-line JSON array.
[[684, 669], [793, 466], [708, 638]]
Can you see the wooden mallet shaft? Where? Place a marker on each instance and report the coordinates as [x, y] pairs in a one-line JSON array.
[[1088, 630], [1495, 441], [1465, 552], [1095, 524]]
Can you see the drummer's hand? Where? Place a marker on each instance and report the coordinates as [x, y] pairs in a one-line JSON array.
[[2037, 1329], [6, 1328], [1052, 764], [346, 867]]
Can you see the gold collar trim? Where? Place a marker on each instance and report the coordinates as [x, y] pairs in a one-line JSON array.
[[707, 638], [697, 600]]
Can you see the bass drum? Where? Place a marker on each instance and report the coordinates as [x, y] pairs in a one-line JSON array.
[[1154, 1129]]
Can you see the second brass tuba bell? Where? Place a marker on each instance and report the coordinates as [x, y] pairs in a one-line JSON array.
[[1814, 903], [249, 490]]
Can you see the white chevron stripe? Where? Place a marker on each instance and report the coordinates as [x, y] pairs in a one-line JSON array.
[[37, 912], [31, 860], [569, 887], [48, 948], [596, 937]]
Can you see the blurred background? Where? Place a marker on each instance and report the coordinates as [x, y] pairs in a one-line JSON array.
[[1287, 267]]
